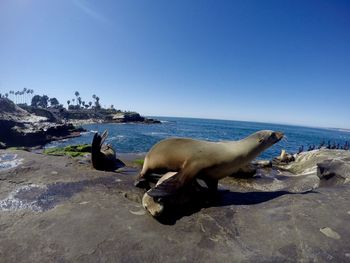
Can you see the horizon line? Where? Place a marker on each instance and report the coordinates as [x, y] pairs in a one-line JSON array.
[[262, 122]]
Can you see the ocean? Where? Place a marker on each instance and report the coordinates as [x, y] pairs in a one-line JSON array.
[[139, 138]]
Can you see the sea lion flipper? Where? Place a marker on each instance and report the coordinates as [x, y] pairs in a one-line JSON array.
[[104, 136], [168, 187]]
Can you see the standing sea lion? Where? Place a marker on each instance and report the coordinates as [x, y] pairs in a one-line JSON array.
[[102, 155], [209, 161]]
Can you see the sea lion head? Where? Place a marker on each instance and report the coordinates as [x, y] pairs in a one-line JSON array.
[[155, 208], [264, 139]]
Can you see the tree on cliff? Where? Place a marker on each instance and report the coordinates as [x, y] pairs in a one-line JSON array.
[[54, 102], [77, 95], [40, 101], [97, 103]]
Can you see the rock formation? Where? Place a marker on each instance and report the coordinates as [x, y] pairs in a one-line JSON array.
[[21, 128]]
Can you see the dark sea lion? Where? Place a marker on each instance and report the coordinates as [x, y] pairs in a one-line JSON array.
[[103, 155], [209, 161]]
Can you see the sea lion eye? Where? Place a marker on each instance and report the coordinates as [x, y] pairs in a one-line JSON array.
[[261, 139]]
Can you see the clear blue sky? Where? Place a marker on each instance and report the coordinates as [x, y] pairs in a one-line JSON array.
[[270, 61]]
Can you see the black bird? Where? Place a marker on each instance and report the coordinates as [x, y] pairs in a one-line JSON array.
[[301, 148], [102, 155], [321, 144]]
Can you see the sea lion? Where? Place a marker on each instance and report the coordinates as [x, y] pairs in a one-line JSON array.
[[209, 161], [103, 155], [153, 207]]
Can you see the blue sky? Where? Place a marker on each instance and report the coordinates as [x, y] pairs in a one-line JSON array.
[[270, 61]]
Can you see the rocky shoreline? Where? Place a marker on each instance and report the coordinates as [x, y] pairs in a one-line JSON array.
[[59, 209], [21, 128], [28, 126]]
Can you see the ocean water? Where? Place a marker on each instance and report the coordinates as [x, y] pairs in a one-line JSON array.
[[139, 138]]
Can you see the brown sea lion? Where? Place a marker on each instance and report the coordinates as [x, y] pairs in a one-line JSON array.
[[209, 161]]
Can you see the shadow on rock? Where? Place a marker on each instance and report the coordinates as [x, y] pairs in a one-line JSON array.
[[197, 201]]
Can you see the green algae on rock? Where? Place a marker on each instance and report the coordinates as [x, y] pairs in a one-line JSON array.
[[139, 161], [71, 150]]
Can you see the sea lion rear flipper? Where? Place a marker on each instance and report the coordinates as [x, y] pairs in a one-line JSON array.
[[169, 187]]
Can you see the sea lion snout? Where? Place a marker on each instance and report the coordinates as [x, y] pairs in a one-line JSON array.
[[278, 135]]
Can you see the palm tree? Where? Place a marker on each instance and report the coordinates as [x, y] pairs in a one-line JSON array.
[[90, 103], [77, 95], [31, 93], [97, 102], [21, 98], [13, 94], [28, 92], [24, 93], [68, 102], [16, 94]]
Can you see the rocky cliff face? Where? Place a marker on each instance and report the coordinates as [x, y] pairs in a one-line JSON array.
[[21, 128]]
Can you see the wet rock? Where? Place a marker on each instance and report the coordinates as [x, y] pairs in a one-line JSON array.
[[9, 161]]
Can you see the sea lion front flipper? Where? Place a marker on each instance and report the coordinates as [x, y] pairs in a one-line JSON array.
[[104, 136], [169, 186]]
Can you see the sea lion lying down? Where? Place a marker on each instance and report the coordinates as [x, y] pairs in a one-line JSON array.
[[183, 160]]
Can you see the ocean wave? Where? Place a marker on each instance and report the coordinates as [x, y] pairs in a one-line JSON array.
[[115, 137], [155, 133]]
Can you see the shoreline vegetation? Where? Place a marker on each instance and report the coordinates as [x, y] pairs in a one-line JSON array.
[[29, 120]]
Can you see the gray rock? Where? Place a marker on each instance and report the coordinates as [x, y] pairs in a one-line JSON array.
[[334, 172]]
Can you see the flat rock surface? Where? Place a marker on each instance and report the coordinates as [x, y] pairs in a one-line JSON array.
[[57, 209]]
